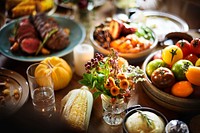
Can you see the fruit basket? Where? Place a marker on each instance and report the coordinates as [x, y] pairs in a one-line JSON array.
[[112, 32], [165, 99]]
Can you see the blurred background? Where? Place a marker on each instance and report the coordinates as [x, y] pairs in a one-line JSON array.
[[188, 10]]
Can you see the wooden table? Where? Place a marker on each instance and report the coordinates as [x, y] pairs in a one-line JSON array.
[[26, 120]]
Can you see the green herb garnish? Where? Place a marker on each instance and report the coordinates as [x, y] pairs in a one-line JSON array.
[[45, 39], [149, 121]]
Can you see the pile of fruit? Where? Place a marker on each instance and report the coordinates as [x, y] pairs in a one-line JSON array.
[[125, 37], [176, 69]]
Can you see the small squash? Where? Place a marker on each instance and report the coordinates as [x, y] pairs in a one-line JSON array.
[[61, 71]]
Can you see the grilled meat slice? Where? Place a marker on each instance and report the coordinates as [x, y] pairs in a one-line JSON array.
[[58, 41], [30, 45], [25, 30], [26, 37], [44, 25]]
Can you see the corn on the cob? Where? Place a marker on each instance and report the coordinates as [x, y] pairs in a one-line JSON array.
[[27, 7], [77, 107], [44, 5]]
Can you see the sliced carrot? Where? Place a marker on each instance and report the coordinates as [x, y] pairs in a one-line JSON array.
[[115, 44], [182, 89]]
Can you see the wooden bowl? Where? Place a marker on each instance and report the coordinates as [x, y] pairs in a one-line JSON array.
[[165, 99]]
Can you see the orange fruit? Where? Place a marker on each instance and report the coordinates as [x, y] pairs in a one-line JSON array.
[[182, 89], [193, 75]]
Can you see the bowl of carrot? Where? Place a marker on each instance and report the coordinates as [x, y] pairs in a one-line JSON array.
[[133, 41], [175, 94]]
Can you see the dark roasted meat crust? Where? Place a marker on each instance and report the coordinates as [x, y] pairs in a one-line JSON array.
[[27, 37], [44, 25]]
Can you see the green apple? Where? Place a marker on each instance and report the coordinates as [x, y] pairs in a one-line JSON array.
[[153, 65]]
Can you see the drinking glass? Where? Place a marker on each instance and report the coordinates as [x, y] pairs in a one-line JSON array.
[[41, 88]]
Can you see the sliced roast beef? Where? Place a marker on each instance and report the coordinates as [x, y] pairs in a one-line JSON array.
[[40, 30], [48, 27], [27, 37], [24, 21], [30, 45], [24, 29], [58, 41], [44, 25]]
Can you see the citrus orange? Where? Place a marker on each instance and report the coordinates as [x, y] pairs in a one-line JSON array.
[[182, 89], [193, 75]]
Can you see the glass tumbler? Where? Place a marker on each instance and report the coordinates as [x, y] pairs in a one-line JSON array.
[[41, 88]]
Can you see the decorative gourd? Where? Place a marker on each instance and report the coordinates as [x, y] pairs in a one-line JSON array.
[[76, 108], [61, 71]]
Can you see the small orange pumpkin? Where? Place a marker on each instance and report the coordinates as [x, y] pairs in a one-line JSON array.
[[61, 71]]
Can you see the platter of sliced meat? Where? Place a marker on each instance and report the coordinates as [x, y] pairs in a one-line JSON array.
[[33, 38]]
